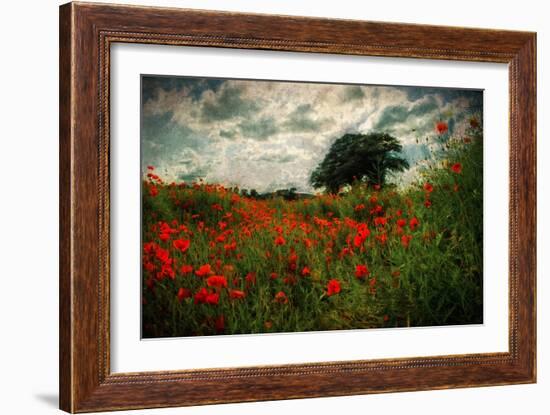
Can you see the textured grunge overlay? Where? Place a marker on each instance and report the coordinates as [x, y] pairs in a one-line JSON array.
[[277, 206]]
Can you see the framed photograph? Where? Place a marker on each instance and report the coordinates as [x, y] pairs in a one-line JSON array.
[[259, 207]]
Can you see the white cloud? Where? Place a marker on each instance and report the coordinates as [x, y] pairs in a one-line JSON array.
[[270, 135]]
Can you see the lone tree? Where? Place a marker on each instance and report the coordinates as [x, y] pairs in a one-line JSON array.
[[357, 157]]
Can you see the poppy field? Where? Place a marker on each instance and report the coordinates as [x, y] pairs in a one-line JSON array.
[[218, 260]]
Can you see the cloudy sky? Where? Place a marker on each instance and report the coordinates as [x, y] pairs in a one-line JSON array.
[[269, 135]]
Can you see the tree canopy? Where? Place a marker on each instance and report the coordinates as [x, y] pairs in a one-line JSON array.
[[359, 157]]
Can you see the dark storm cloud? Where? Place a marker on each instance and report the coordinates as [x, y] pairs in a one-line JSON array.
[[301, 120], [193, 175], [230, 134], [229, 104], [448, 95], [398, 114], [151, 85], [353, 92], [260, 129], [277, 158], [162, 139]]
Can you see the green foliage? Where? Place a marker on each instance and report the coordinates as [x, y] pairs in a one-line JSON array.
[[358, 157]]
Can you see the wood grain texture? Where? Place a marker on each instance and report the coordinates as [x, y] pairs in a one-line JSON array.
[[65, 246], [86, 33]]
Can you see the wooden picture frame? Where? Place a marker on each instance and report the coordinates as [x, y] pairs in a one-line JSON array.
[[86, 33]]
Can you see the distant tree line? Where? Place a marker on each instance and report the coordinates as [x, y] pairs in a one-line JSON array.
[[287, 194]]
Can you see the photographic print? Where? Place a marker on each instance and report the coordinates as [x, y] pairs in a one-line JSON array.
[[276, 206]]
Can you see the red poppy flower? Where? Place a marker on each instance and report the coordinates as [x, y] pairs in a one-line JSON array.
[[363, 230], [441, 127], [279, 240], [182, 244], [293, 257], [250, 278], [220, 323], [166, 228], [153, 191], [382, 238], [292, 266], [149, 247], [150, 283], [428, 187], [380, 221], [212, 298], [428, 203], [230, 247], [162, 255], [168, 271], [200, 296], [186, 269], [346, 251], [405, 240], [359, 207], [357, 241], [361, 271], [457, 168], [333, 287], [273, 276], [413, 223], [372, 285], [150, 168], [281, 298], [362, 234], [204, 270], [149, 266], [183, 293], [236, 294], [217, 281], [290, 280], [401, 222], [306, 271]]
